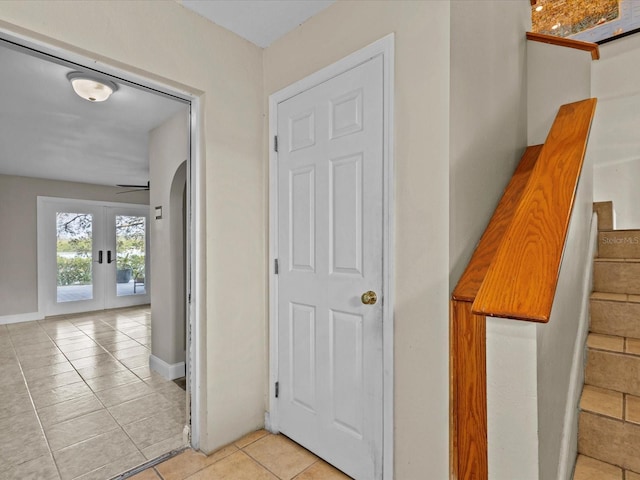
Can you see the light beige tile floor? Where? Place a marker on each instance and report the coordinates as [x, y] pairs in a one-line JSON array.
[[257, 456], [78, 399]]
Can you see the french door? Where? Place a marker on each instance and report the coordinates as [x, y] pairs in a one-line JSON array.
[[91, 255]]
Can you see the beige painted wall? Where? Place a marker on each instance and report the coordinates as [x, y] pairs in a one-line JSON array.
[[488, 115], [557, 75], [168, 150], [164, 41], [615, 143], [18, 243], [421, 199]]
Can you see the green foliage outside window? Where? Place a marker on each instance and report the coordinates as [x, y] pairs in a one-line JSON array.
[[74, 271]]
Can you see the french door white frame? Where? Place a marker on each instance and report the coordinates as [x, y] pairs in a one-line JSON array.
[[196, 265], [385, 48], [46, 270]]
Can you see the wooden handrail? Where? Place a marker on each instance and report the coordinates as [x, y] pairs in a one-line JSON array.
[[467, 350], [521, 281], [474, 274], [522, 243], [566, 42]]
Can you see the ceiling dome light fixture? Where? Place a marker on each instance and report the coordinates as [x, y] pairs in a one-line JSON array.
[[91, 87]]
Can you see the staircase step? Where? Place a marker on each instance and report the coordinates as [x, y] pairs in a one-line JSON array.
[[605, 215], [619, 244], [612, 275], [610, 343], [602, 401], [614, 371], [588, 468], [609, 403], [609, 440], [615, 314]]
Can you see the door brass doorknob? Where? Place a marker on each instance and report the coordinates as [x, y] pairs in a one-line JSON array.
[[369, 298]]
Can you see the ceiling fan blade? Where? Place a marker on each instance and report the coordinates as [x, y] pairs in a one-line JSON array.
[[144, 187]]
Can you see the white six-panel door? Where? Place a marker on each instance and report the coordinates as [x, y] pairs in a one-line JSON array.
[[330, 234]]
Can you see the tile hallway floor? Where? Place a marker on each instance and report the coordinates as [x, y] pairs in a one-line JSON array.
[[78, 399], [257, 456]]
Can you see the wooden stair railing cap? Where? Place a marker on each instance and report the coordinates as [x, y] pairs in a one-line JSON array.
[[521, 281], [474, 274], [593, 48]]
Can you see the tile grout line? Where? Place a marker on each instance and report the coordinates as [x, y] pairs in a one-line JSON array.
[[121, 427], [88, 386], [143, 381], [267, 468], [33, 405], [83, 336]]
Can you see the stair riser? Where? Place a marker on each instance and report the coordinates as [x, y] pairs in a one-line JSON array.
[[615, 318], [609, 440], [616, 277], [614, 371], [619, 244], [605, 215]]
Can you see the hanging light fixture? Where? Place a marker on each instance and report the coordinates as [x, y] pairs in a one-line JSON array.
[[90, 87]]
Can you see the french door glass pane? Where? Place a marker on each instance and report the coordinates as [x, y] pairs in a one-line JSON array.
[[130, 255], [74, 258]]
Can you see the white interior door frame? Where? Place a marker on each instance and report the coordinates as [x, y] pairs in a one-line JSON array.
[[385, 48], [196, 265]]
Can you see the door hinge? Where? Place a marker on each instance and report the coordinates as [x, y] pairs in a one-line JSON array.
[[275, 266], [189, 298], [277, 389], [275, 143]]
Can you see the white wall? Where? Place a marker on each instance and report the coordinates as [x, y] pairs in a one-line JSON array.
[[164, 41], [556, 76], [421, 201], [535, 371], [512, 400], [558, 360], [168, 151], [615, 143], [18, 237], [488, 115]]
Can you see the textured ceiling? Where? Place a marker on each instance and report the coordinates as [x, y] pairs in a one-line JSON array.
[[47, 131]]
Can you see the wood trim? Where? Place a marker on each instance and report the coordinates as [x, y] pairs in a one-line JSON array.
[[521, 281], [592, 48], [468, 384], [474, 274]]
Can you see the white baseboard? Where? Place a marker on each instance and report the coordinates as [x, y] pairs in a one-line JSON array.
[[20, 317], [569, 442], [170, 371]]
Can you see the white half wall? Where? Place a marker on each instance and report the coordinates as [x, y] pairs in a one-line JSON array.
[[569, 440], [557, 402], [512, 399]]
